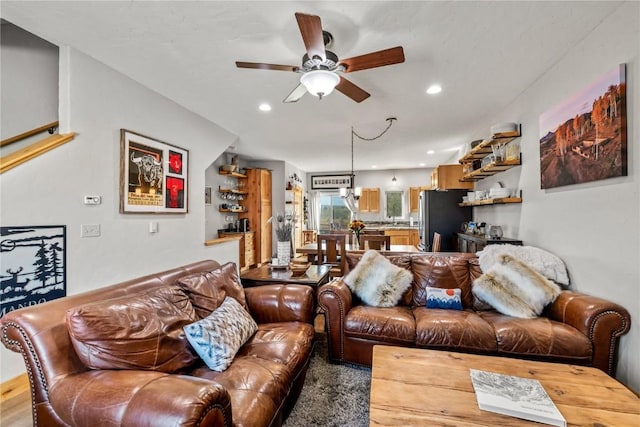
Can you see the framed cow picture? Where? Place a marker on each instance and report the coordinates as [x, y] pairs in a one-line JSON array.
[[154, 175]]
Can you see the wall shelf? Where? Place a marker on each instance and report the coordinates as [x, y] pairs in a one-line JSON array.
[[498, 201], [233, 174], [232, 210], [484, 148], [232, 191], [490, 169]]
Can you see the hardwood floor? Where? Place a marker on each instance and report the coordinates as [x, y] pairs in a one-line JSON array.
[[16, 411]]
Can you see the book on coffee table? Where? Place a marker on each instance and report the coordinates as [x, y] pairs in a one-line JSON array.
[[515, 396]]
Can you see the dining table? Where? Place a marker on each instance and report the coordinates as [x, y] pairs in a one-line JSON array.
[[311, 250]]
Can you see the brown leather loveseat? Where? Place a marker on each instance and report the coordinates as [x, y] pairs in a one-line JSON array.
[[257, 389], [575, 328]]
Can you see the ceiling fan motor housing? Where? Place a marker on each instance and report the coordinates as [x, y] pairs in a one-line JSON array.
[[330, 63]]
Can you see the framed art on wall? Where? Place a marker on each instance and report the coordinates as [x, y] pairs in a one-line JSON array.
[[154, 175], [331, 182], [33, 262], [584, 138]]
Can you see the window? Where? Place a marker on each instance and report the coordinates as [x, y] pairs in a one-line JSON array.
[[394, 204], [334, 214]]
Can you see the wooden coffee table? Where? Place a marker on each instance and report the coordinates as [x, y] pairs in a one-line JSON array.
[[414, 387], [315, 276]]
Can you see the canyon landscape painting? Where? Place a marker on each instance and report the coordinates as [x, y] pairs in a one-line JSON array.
[[585, 137]]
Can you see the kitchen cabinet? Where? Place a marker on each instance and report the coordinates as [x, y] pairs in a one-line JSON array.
[[246, 257], [414, 195], [448, 177], [258, 206], [369, 200], [403, 236]]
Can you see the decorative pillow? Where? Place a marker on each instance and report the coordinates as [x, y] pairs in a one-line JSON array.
[[208, 290], [140, 331], [545, 263], [218, 337], [377, 281], [515, 289], [444, 298]]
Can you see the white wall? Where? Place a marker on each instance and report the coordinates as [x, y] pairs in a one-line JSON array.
[[29, 81], [96, 102], [594, 226]]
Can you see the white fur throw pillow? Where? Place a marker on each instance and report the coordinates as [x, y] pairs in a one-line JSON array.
[[515, 289], [377, 281], [545, 263]]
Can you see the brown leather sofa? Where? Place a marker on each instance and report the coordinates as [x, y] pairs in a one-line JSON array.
[[258, 389], [575, 328]]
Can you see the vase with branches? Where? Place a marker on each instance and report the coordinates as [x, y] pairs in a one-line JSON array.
[[284, 225]]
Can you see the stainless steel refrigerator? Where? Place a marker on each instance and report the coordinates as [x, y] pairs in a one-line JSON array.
[[438, 211]]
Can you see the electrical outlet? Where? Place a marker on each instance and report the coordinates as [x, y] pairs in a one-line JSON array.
[[90, 230]]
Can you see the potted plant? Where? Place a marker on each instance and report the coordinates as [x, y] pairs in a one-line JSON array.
[[356, 226]]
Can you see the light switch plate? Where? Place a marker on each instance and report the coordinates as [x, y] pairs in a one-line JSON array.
[[90, 230], [92, 200]]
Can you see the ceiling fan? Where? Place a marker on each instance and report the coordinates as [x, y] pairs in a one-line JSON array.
[[320, 67]]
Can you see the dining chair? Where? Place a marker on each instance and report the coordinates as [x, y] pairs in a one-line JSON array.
[[436, 242], [375, 241], [332, 250]]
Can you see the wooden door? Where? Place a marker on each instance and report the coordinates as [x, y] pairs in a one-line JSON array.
[[266, 211], [398, 237]]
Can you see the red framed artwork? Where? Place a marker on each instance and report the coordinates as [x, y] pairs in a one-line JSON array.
[[153, 175]]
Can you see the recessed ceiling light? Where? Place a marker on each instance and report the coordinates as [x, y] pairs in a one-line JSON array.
[[422, 164], [373, 166], [264, 107], [433, 89], [431, 152]]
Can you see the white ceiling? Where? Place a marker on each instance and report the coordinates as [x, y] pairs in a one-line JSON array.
[[482, 53]]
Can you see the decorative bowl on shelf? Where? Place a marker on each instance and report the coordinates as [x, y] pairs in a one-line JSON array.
[[229, 168]]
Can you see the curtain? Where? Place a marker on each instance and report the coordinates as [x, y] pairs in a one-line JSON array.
[[314, 211]]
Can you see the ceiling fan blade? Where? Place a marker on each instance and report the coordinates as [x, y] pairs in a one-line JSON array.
[[262, 66], [296, 94], [351, 90], [394, 55], [311, 30]]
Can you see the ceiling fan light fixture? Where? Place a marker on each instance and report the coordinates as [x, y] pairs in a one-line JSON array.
[[320, 82]]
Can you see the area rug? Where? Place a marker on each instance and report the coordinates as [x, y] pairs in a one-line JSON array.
[[333, 395]]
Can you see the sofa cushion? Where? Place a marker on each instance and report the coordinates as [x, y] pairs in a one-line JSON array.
[[209, 289], [438, 271], [139, 331], [218, 337], [289, 343], [257, 388], [540, 337], [387, 324], [377, 281], [453, 330], [448, 299], [515, 289]]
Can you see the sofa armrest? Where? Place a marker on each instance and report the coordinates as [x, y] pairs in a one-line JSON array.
[[281, 303], [335, 299], [602, 321], [140, 398]]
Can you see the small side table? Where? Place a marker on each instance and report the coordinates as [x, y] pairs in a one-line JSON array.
[[315, 276]]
